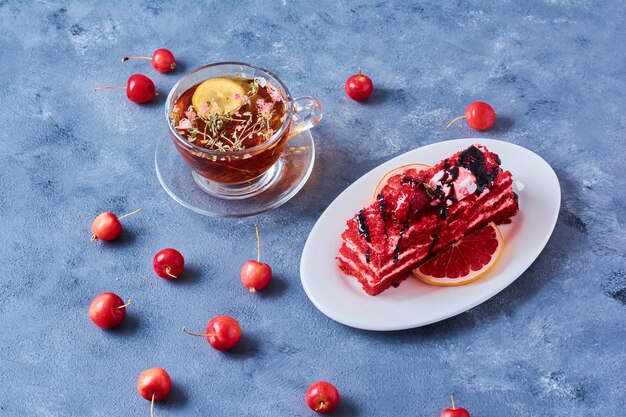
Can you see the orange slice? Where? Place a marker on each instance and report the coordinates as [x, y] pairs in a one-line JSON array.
[[464, 261], [224, 92], [393, 177]]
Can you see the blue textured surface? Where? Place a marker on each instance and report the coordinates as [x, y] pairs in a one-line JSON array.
[[551, 344]]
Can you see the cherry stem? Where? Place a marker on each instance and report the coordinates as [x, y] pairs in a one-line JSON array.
[[152, 406], [126, 58], [452, 398], [129, 302], [198, 334], [454, 120], [320, 405], [359, 71], [108, 87], [93, 238], [167, 271], [258, 243], [129, 214]]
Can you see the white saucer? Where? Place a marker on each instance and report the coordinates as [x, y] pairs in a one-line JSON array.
[[284, 180]]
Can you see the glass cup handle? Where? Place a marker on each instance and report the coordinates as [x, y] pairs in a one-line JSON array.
[[307, 112]]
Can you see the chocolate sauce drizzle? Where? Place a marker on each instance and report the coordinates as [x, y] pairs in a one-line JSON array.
[[364, 229], [396, 252], [435, 236], [473, 159], [410, 180], [438, 192], [382, 207], [443, 210], [454, 173]]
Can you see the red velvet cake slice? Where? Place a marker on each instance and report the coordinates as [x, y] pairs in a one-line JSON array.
[[429, 210]]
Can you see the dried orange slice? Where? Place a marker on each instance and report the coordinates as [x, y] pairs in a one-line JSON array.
[[464, 261], [392, 178]]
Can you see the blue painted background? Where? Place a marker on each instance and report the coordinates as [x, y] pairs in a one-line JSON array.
[[551, 344]]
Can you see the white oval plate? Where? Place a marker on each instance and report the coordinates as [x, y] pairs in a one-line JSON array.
[[414, 304]]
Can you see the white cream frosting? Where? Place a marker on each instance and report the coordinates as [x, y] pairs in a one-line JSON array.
[[464, 185]]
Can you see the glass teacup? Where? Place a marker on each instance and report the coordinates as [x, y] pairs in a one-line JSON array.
[[240, 173]]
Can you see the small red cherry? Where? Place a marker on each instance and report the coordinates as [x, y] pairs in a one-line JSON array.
[[479, 115], [168, 263], [108, 310], [359, 86], [322, 397], [139, 88], [256, 275], [154, 384], [107, 226], [222, 333], [454, 412], [162, 60]]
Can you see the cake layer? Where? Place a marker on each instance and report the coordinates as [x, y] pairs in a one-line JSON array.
[[413, 221]]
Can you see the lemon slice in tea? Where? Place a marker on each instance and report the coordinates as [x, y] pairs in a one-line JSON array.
[[224, 92]]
